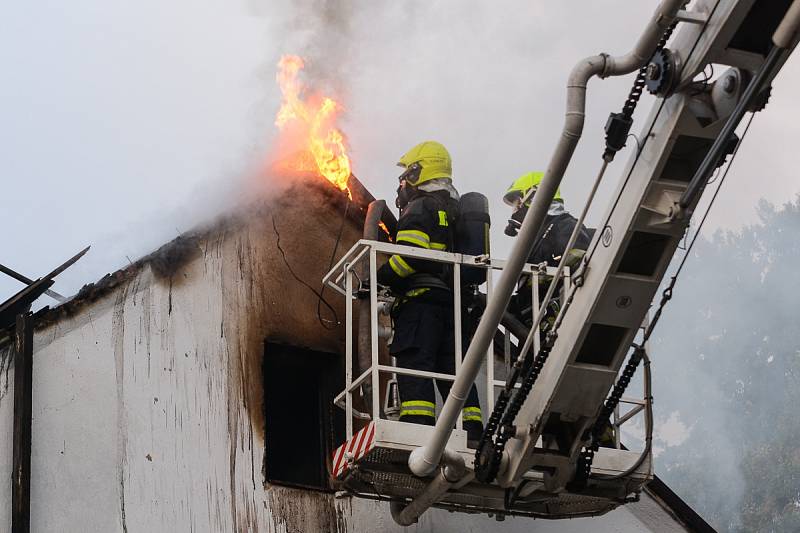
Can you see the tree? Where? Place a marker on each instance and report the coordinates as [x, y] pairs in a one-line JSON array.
[[727, 360]]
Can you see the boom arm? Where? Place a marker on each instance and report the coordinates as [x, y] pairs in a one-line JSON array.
[[632, 250]]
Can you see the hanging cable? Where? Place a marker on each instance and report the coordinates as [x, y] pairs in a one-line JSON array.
[[330, 263], [299, 280]]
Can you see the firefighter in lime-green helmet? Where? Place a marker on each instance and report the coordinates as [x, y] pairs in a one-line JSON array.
[[557, 227], [549, 247], [423, 311], [551, 243], [520, 187], [516, 197]]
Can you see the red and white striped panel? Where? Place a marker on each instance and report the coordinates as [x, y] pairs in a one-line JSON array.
[[357, 447]]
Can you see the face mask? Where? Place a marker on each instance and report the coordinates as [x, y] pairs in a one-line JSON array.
[[405, 193], [515, 222]]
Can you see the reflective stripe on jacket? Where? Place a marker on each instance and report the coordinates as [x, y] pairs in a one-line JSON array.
[[427, 223]]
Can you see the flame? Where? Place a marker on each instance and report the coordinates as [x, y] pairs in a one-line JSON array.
[[385, 230], [307, 122]]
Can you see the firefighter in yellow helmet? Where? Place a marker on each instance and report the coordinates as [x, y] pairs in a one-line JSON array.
[[551, 242], [548, 247], [423, 311], [556, 229]]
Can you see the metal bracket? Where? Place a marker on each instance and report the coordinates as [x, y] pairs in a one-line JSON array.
[[692, 17], [662, 206]]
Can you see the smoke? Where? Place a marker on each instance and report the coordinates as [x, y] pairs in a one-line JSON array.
[[485, 79], [695, 438], [320, 31], [726, 362], [324, 31]]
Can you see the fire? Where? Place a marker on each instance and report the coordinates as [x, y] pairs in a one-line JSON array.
[[385, 230], [307, 121]]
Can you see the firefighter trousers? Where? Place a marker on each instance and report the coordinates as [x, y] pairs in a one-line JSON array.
[[424, 339]]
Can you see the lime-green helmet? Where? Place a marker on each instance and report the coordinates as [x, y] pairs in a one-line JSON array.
[[426, 161], [523, 184]]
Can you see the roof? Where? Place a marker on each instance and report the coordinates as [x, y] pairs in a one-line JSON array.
[[21, 302], [681, 510], [167, 259]]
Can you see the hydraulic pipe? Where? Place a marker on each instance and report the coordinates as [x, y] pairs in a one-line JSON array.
[[786, 34], [424, 460], [371, 232]]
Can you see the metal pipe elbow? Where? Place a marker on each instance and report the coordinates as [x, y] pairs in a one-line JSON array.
[[664, 16], [453, 468], [420, 466], [576, 95], [452, 471]]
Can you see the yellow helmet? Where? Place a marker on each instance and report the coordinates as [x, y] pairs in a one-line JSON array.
[[523, 184], [431, 160]]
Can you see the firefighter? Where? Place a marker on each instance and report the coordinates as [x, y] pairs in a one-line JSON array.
[[549, 245], [548, 248], [423, 310]]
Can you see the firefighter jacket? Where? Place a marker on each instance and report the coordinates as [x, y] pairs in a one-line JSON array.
[[548, 248], [427, 222], [556, 232]]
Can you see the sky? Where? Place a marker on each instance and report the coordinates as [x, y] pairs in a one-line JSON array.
[[123, 124]]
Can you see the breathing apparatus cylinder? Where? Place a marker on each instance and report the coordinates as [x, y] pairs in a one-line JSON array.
[[472, 234]]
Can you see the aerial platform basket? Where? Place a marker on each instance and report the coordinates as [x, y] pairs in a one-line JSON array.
[[373, 460]]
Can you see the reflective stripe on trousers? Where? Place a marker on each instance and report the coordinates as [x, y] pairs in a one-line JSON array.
[[471, 414], [418, 407]]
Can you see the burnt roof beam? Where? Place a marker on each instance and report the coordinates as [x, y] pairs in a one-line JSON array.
[[28, 281]]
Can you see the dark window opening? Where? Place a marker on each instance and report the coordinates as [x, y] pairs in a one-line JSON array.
[[643, 253], [302, 427], [601, 344]]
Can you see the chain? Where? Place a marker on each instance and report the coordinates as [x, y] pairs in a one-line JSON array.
[[584, 466], [489, 454], [619, 124], [641, 77]]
